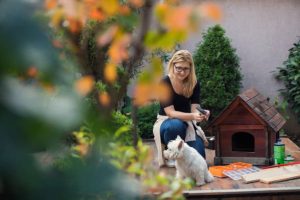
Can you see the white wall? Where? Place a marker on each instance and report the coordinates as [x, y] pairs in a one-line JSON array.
[[262, 31]]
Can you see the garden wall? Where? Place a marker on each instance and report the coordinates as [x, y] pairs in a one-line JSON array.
[[262, 31]]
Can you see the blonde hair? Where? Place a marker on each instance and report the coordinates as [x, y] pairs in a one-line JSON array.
[[190, 81]]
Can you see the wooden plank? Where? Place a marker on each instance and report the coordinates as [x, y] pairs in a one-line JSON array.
[[253, 113], [271, 174], [264, 115], [276, 119], [270, 113], [241, 127], [280, 125], [226, 112], [218, 142], [237, 119], [262, 106], [250, 178], [261, 98], [280, 177], [267, 153], [258, 111], [244, 97]]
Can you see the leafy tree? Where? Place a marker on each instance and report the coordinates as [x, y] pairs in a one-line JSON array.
[[217, 69], [289, 73]]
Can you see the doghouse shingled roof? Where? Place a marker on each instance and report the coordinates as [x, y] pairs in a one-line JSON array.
[[261, 106]]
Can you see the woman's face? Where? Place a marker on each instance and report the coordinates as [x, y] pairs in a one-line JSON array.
[[181, 70]]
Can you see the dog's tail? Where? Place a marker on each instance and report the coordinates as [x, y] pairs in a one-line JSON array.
[[208, 177]]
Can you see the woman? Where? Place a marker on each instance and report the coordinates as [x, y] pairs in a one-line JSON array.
[[178, 115]]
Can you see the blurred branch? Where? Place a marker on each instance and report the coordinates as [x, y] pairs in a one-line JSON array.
[[137, 49], [135, 123]]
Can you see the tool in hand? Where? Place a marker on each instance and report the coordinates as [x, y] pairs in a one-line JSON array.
[[201, 110]]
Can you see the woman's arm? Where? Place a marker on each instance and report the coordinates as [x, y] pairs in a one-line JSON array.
[[193, 108], [172, 113]]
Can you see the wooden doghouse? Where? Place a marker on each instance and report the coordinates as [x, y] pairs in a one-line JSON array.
[[246, 130]]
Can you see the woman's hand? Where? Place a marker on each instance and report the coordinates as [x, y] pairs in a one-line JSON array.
[[207, 114], [198, 117], [206, 143]]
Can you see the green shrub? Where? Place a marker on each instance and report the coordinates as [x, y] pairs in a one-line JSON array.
[[124, 122], [217, 69], [289, 73], [146, 118]]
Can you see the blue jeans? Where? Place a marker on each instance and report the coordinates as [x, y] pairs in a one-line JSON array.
[[171, 128]]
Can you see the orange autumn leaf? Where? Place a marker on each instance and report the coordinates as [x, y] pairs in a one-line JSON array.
[[110, 72], [50, 4], [32, 72], [110, 7], [74, 25], [57, 17], [174, 21], [211, 10], [172, 1], [118, 49], [162, 92], [161, 10], [104, 98], [82, 14], [96, 14], [90, 1], [136, 3], [70, 7], [84, 85], [82, 149], [108, 35], [147, 92], [124, 10], [142, 94]]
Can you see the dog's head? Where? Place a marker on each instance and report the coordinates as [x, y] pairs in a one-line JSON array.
[[174, 150]]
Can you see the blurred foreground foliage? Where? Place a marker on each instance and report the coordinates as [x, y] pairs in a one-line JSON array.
[[63, 74]]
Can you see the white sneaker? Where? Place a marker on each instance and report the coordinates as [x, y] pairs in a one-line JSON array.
[[170, 163]]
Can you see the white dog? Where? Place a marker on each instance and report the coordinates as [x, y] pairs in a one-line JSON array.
[[188, 162]]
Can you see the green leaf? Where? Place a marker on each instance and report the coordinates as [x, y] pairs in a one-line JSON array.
[[122, 130]]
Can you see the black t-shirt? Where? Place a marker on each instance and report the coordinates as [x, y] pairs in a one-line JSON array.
[[180, 102]]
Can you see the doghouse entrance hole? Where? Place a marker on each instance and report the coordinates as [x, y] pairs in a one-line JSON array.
[[243, 141]]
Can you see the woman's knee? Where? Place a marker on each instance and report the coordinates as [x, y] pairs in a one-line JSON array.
[[171, 128], [175, 126]]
